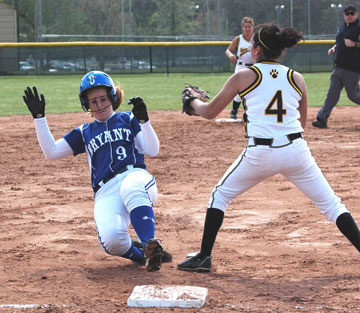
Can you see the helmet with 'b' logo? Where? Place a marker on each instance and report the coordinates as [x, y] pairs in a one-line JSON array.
[[96, 79]]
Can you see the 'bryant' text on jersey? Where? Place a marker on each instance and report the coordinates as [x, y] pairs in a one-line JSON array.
[[108, 136]]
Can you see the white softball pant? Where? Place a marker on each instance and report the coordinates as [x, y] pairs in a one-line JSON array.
[[294, 161], [113, 203]]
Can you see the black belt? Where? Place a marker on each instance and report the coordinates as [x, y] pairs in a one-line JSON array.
[[105, 180], [246, 64], [268, 142]]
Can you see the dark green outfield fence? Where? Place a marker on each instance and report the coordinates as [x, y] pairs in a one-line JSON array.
[[53, 58]]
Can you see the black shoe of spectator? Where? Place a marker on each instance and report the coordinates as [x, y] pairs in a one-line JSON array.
[[319, 124]]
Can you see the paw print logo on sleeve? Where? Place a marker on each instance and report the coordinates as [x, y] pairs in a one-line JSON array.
[[274, 73]]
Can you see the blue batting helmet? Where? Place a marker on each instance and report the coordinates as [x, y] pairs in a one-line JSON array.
[[96, 79]]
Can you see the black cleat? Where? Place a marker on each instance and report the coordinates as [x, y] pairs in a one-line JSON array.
[[167, 257], [153, 252], [319, 124], [233, 114], [196, 264]]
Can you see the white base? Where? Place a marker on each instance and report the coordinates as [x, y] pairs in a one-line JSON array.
[[167, 296], [191, 254], [229, 120]]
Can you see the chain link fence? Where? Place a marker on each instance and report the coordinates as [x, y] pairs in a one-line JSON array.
[[143, 57]]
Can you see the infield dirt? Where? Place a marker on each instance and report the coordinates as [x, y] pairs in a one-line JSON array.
[[274, 253]]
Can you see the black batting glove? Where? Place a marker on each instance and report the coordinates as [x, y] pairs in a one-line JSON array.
[[35, 104], [139, 110]]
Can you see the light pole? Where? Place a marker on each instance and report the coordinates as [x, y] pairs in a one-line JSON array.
[[38, 20], [196, 7], [122, 20], [130, 17], [278, 9], [219, 17], [208, 18], [309, 19], [38, 31], [338, 9]]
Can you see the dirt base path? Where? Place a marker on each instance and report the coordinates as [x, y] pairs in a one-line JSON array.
[[274, 252]]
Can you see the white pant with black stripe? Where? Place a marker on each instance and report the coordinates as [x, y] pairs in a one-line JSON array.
[[294, 161]]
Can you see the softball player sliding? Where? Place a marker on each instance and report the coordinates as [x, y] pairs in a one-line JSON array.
[[275, 104], [243, 56], [115, 144]]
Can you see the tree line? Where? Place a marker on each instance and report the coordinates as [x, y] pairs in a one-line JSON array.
[[191, 19]]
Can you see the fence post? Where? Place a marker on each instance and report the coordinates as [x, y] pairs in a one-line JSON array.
[[1, 62], [84, 57], [150, 56], [167, 60]]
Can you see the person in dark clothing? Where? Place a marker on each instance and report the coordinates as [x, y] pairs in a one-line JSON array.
[[346, 72]]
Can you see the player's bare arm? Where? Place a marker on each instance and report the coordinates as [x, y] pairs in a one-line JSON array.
[[303, 103], [232, 47], [237, 82]]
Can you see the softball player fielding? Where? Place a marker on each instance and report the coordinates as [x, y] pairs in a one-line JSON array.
[[275, 104], [242, 58], [115, 144]]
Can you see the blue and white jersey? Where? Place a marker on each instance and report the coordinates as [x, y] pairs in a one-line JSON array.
[[110, 145]]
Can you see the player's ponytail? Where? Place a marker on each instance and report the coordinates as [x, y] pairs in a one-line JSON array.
[[273, 40], [290, 37], [120, 96]]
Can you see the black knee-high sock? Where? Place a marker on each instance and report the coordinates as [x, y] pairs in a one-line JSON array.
[[213, 221], [236, 105], [350, 230]]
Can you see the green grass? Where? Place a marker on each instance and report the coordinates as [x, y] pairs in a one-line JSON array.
[[317, 85], [160, 92]]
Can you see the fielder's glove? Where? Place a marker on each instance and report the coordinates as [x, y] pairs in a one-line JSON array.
[[139, 110], [190, 93], [35, 104]]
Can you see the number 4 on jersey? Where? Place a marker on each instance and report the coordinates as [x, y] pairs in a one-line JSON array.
[[275, 107]]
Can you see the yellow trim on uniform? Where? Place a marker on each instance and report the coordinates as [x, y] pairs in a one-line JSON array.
[[245, 118], [291, 80], [242, 35], [254, 84]]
